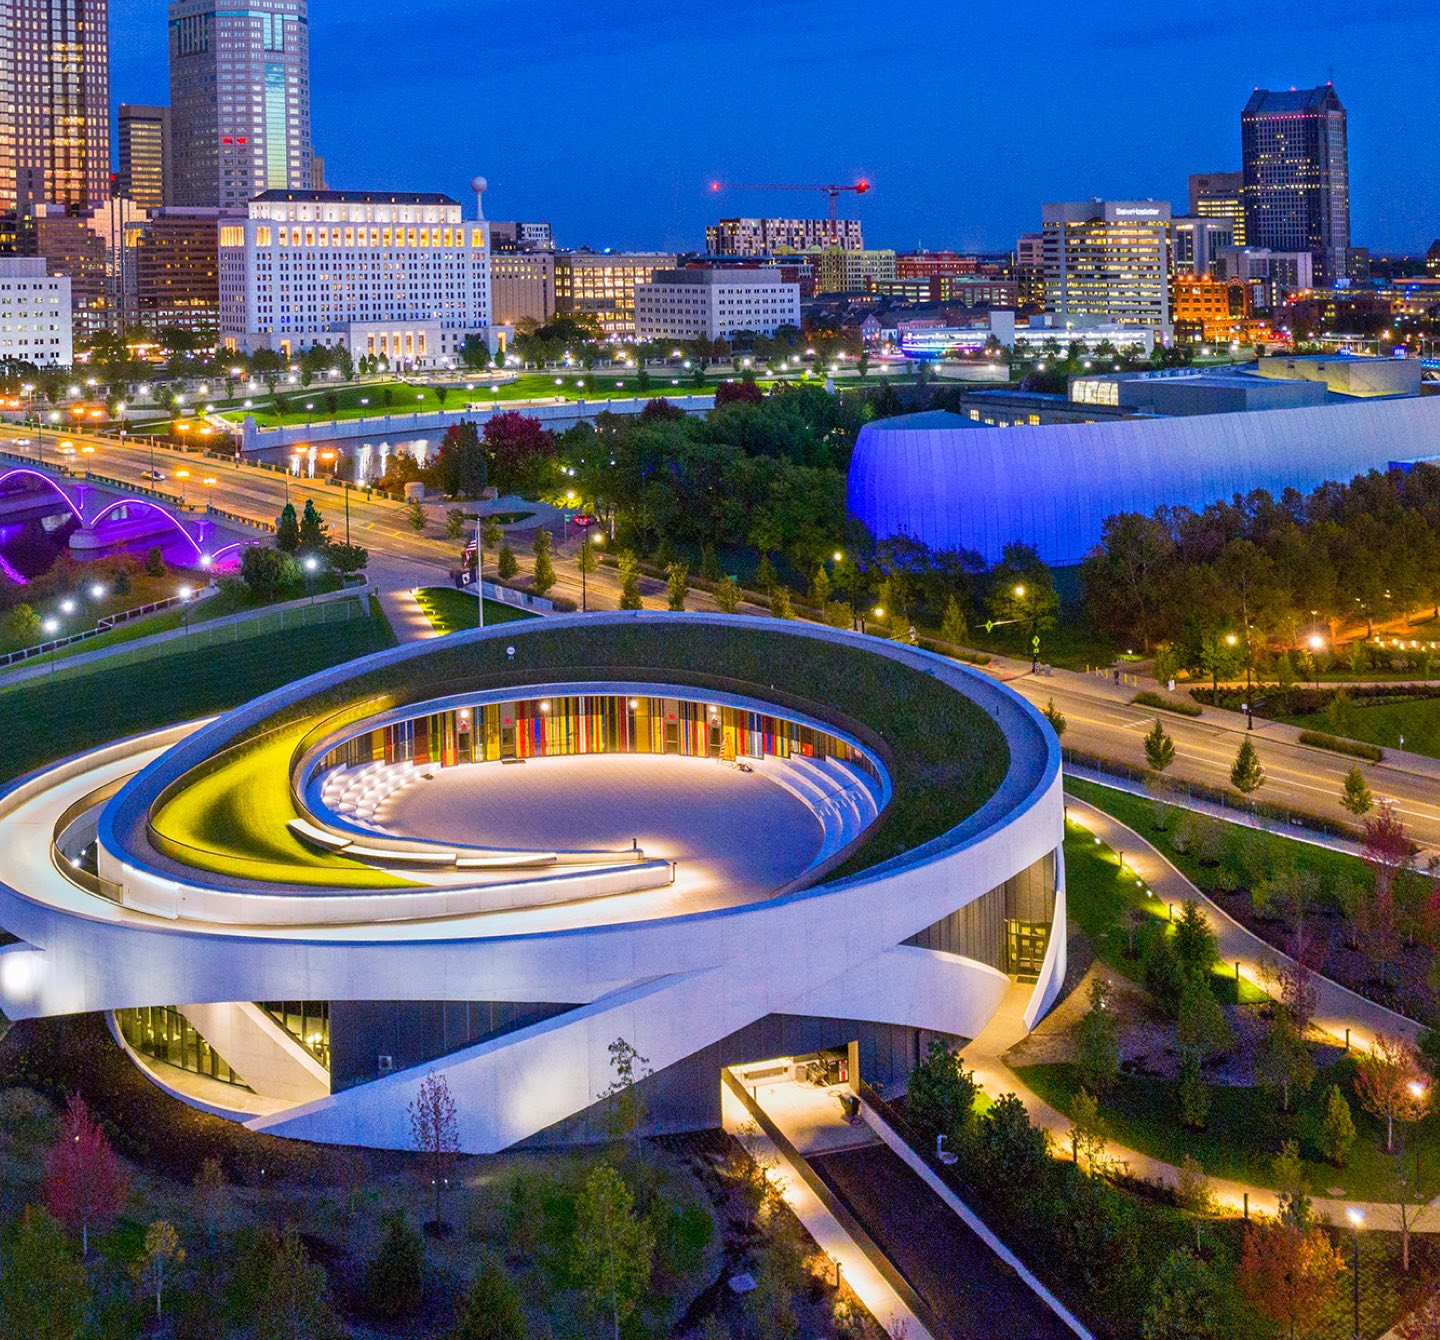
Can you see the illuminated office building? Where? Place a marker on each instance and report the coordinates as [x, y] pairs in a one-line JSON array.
[[762, 237], [239, 100], [1196, 244], [393, 275], [143, 141], [1108, 259], [54, 103], [1220, 195], [1297, 176], [601, 284]]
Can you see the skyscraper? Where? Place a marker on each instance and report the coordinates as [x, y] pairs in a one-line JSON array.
[[54, 103], [1297, 175], [144, 151], [1220, 195], [239, 100], [1107, 260]]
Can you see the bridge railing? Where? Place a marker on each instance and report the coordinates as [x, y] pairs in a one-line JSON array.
[[105, 625]]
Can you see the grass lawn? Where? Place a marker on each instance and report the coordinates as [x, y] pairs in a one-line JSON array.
[[46, 719], [452, 611], [89, 610], [1072, 644], [233, 821], [1101, 895], [359, 402], [1241, 850], [1246, 1129], [1417, 719]]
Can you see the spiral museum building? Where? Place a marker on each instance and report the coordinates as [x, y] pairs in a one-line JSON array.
[[494, 854]]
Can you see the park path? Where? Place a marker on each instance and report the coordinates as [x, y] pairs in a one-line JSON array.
[[1338, 1008]]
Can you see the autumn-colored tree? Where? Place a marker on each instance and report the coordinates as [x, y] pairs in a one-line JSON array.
[[1386, 850], [1391, 1085], [521, 453], [85, 1186], [435, 1131], [1289, 1274], [162, 1255]]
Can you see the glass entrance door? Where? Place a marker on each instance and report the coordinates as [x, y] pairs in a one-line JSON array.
[[1026, 942]]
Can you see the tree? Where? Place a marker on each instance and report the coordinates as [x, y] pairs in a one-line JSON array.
[[22, 624], [395, 1275], [613, 1247], [1193, 1094], [521, 453], [155, 562], [434, 1131], [266, 572], [765, 578], [1193, 1194], [461, 467], [710, 569], [312, 529], [287, 530], [162, 1254], [1386, 850], [1159, 748], [1284, 1061], [491, 1308], [1087, 1133], [1097, 1040], [1194, 942], [508, 565], [295, 1293], [492, 535], [415, 515], [743, 392], [347, 559], [781, 604], [44, 1290], [1055, 717], [953, 628], [1246, 774], [85, 1186], [454, 523], [628, 567], [544, 577], [212, 1197], [1288, 1274], [727, 596], [1292, 1187], [941, 1094], [1188, 1301], [677, 584], [1337, 1129], [1202, 1030], [1390, 1084], [1356, 795], [625, 1104]]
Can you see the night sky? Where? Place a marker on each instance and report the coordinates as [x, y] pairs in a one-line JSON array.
[[609, 117]]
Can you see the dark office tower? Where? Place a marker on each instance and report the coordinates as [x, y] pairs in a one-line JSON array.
[[1297, 176], [1220, 195], [54, 103], [144, 147], [239, 100]]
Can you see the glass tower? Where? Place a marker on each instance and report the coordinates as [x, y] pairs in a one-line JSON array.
[[1297, 175], [239, 100], [54, 103]]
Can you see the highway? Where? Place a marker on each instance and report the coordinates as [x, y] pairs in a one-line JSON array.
[[1100, 719]]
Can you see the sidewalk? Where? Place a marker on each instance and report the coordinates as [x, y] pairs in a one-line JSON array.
[[1338, 1009]]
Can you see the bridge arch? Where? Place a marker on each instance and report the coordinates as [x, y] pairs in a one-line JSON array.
[[49, 483], [169, 516]]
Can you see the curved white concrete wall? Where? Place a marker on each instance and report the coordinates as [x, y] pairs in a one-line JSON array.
[[671, 984]]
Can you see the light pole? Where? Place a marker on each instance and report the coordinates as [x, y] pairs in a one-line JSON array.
[[1034, 628], [310, 565], [479, 573], [1356, 1217], [182, 476]]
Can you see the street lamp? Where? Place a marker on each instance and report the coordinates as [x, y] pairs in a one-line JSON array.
[[1356, 1217], [1034, 628], [311, 566], [182, 476]]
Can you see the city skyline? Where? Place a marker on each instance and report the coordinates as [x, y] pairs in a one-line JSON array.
[[945, 173]]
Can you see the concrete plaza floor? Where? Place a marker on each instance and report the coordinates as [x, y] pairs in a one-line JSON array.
[[735, 835]]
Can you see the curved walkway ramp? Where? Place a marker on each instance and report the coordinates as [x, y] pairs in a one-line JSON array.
[[1338, 1008]]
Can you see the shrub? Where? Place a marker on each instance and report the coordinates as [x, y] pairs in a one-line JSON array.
[[1150, 699], [395, 1275], [1318, 739]]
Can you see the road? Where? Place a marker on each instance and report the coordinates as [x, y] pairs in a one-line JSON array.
[[1100, 719]]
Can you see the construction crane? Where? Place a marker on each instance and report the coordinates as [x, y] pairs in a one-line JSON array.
[[830, 190]]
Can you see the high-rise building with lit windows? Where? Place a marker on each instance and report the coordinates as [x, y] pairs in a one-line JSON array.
[[1297, 175], [1220, 195], [54, 103], [239, 100], [143, 144], [1108, 260]]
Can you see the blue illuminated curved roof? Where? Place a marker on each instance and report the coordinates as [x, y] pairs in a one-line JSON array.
[[955, 484]]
